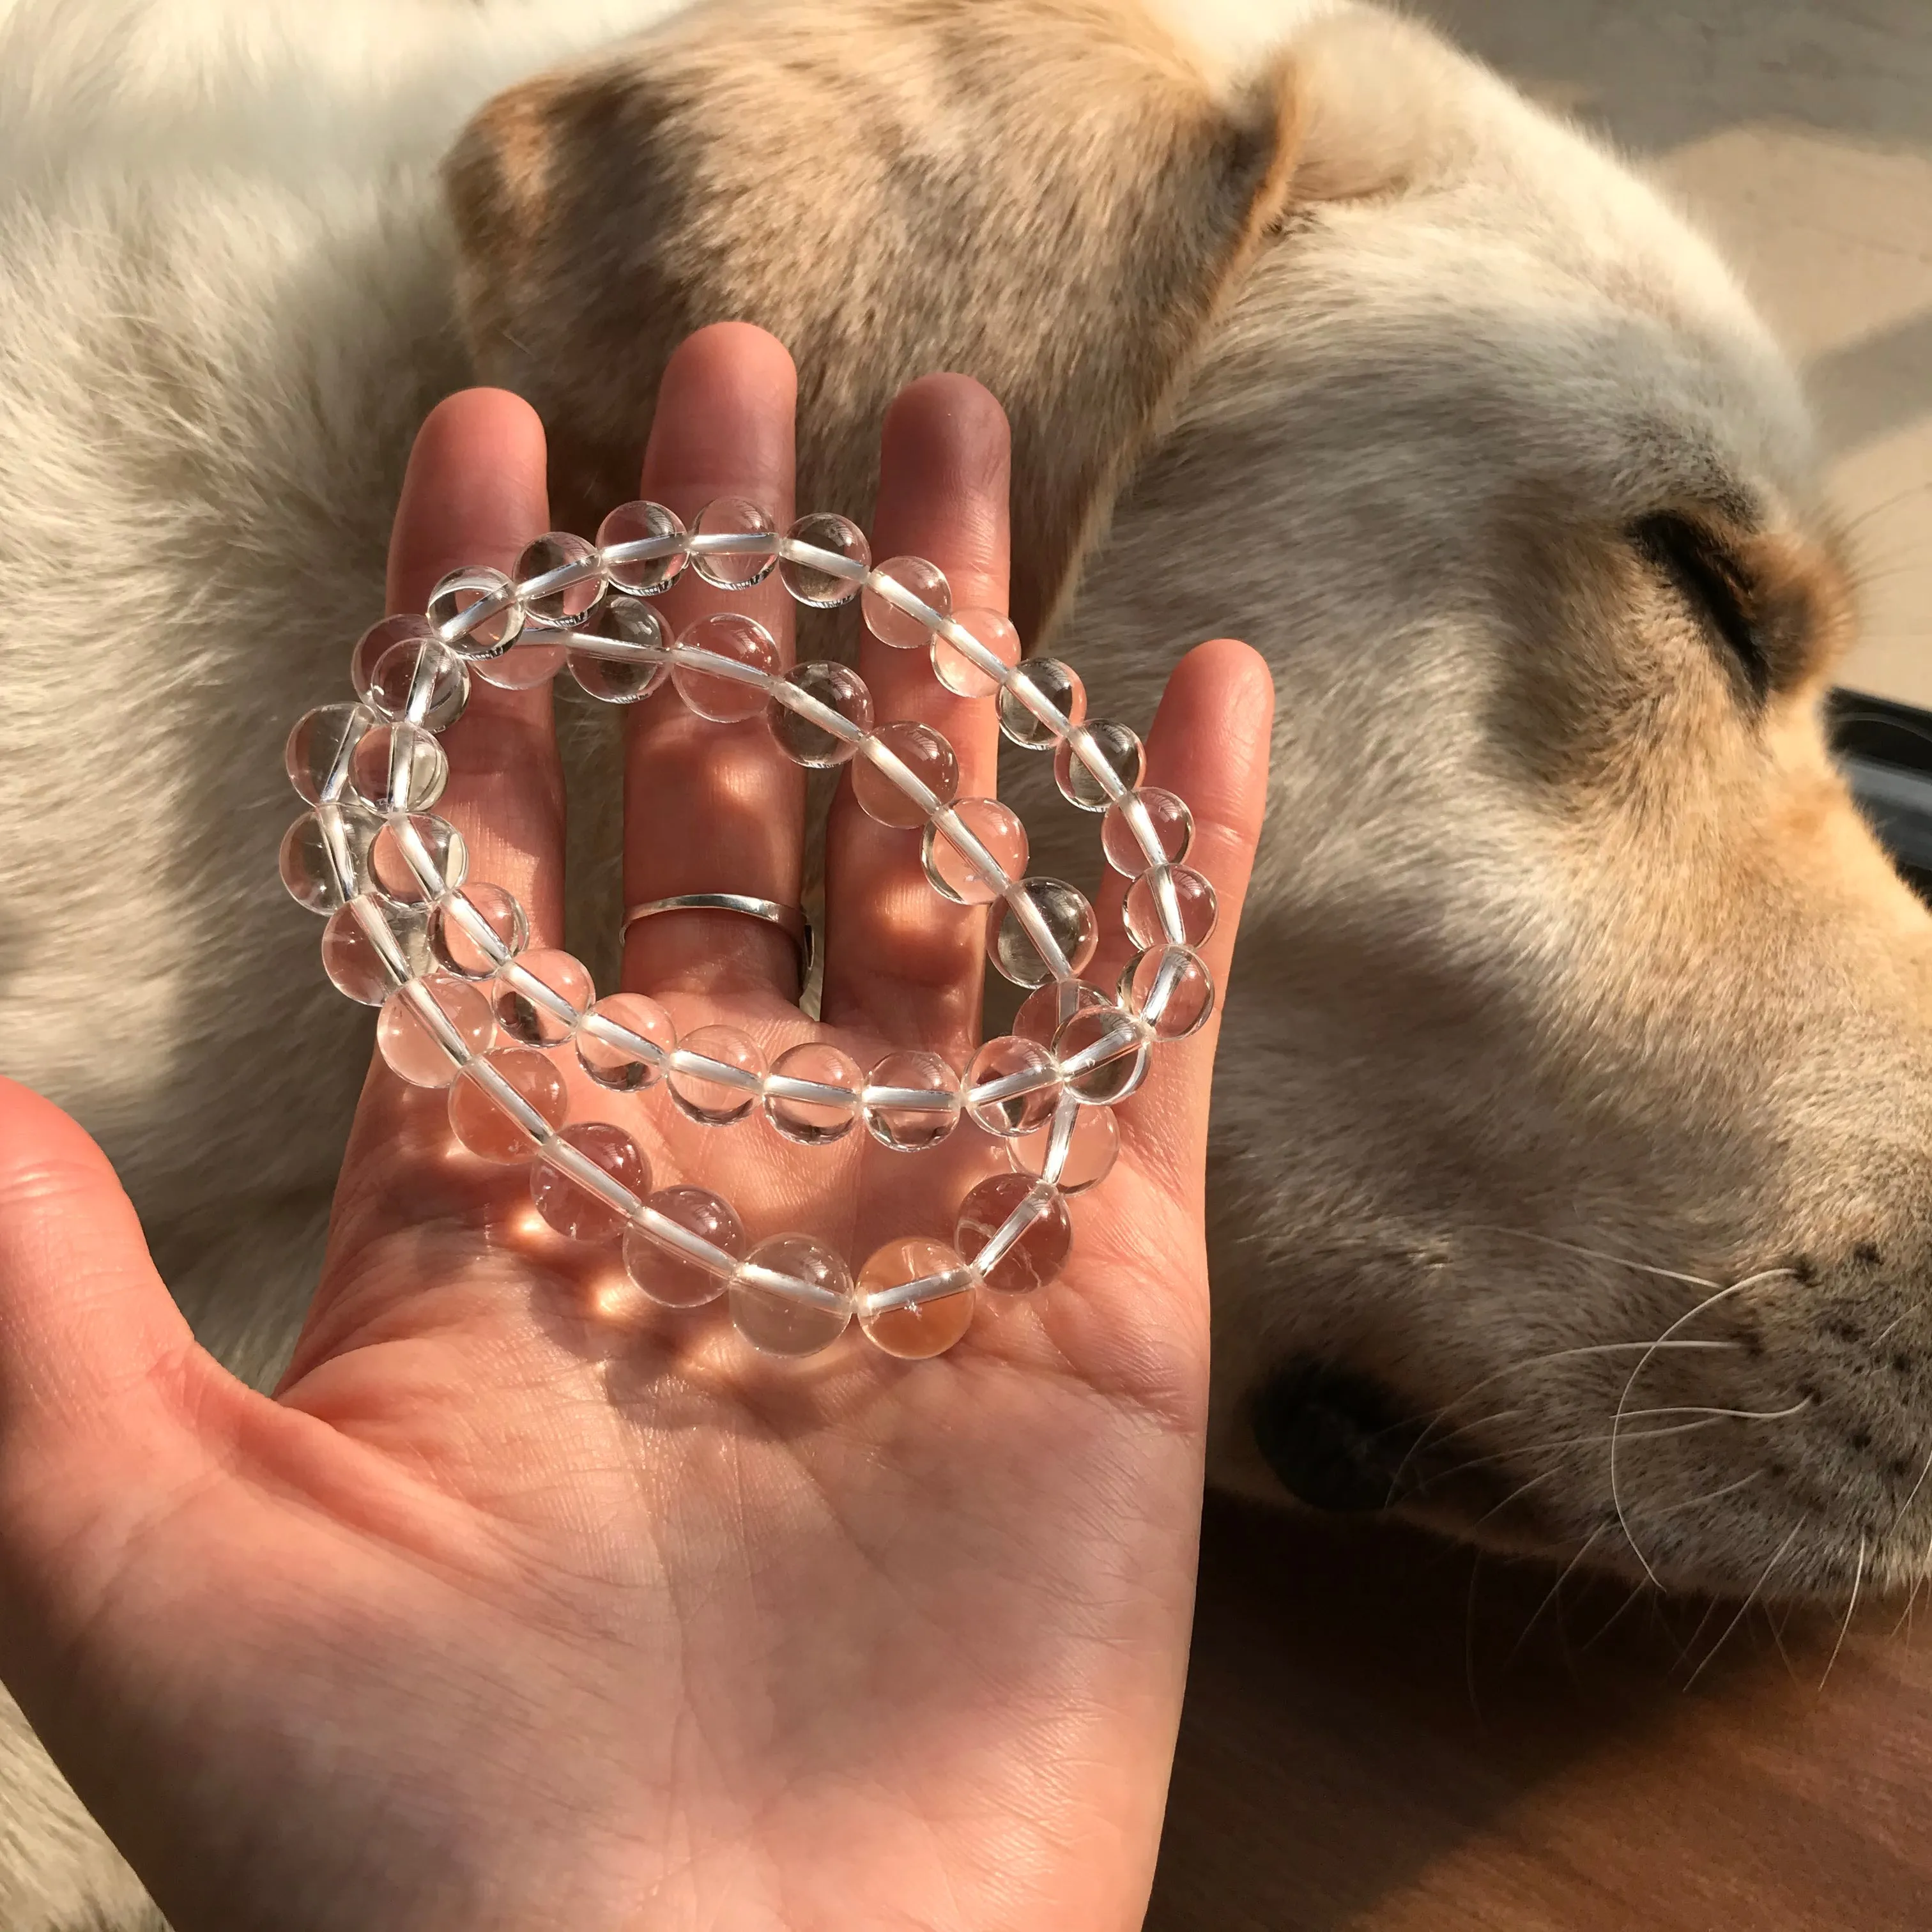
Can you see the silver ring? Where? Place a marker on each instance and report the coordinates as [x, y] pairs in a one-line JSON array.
[[789, 919]]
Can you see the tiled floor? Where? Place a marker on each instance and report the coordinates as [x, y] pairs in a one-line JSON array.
[[1799, 132]]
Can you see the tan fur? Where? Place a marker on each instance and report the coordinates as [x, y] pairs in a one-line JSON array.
[[1567, 962]]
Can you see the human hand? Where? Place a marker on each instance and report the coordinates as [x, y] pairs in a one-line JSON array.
[[525, 1603]]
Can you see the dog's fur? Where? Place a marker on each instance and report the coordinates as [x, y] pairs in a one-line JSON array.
[[1573, 990]]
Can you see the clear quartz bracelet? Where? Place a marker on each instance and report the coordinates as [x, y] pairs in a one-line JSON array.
[[468, 1006]]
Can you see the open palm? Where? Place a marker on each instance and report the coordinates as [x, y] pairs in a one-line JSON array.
[[526, 1602]]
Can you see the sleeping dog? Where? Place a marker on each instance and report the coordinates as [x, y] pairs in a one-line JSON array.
[[1567, 1188]]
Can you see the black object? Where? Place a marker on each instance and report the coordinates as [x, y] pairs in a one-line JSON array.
[[1885, 751]]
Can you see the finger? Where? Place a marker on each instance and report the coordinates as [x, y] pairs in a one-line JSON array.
[[94, 1354], [901, 959], [1210, 745], [710, 806], [474, 494]]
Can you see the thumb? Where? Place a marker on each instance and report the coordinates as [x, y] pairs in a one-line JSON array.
[[89, 1336]]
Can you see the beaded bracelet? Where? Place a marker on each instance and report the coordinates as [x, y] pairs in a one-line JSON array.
[[466, 1005]]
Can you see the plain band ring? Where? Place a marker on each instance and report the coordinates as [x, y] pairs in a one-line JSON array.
[[789, 919]]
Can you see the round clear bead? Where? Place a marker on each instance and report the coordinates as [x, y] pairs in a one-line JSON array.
[[624, 1042], [1054, 686], [778, 1324], [1036, 1253], [1048, 1007], [325, 856], [1077, 1151], [1117, 750], [1169, 990], [421, 681], [579, 585], [1118, 1045], [716, 1101], [809, 582], [321, 750], [925, 755], [476, 612], [621, 680], [814, 1119], [1168, 823], [744, 564], [1170, 893], [910, 1101], [957, 876], [915, 1330], [725, 634], [885, 620], [642, 522], [1028, 1081], [377, 641], [371, 946], [415, 858], [540, 996], [398, 768], [666, 1272], [532, 664], [957, 672], [578, 1212], [472, 932], [839, 687], [1068, 919], [478, 1119], [416, 1050]]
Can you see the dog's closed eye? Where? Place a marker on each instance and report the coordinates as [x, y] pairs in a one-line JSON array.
[[1713, 584]]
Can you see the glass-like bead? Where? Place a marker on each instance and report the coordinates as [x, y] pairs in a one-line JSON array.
[[416, 1050], [1027, 1082], [321, 751], [810, 583], [914, 1330], [814, 1119], [725, 634], [370, 947], [1118, 1046], [925, 755], [540, 996], [473, 931], [1165, 891], [886, 621], [1054, 685], [403, 627], [476, 612], [1169, 989], [642, 522], [580, 584], [416, 858], [398, 768], [480, 1121], [1048, 1007], [745, 564], [620, 680], [533, 663], [778, 1324], [421, 681], [716, 1099], [665, 1272], [1117, 749], [325, 856], [955, 873], [1068, 918], [574, 1209], [1077, 1151], [1168, 820], [1034, 1256], [957, 671], [839, 688], [624, 1042], [893, 1115]]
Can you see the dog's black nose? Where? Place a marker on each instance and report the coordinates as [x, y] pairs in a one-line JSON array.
[[1337, 1440]]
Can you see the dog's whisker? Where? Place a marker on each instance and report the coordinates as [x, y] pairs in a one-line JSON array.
[[1705, 1496], [1724, 1635], [1844, 1629], [1556, 1590], [1599, 1254]]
